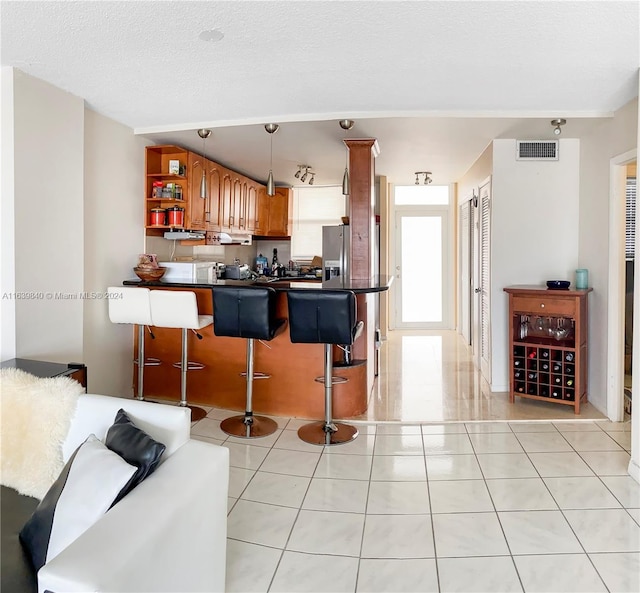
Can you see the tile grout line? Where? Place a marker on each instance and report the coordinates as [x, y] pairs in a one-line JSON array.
[[562, 511], [433, 530], [495, 510]]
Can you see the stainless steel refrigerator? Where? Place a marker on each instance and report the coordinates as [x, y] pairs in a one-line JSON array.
[[335, 252]]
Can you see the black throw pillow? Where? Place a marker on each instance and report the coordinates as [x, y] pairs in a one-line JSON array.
[[136, 447]]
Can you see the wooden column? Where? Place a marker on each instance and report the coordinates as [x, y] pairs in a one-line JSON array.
[[362, 154]]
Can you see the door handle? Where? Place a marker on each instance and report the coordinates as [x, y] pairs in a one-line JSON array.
[[477, 290]]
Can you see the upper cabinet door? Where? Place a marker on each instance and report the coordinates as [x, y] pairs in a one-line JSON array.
[[196, 205], [251, 206], [236, 202], [226, 201], [262, 211], [214, 204], [279, 213]]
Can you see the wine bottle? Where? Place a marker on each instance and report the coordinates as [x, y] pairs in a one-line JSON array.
[[517, 363], [532, 354], [557, 368], [555, 393], [557, 380], [544, 353], [544, 391], [545, 366], [532, 376], [568, 369], [569, 382], [568, 356], [518, 374], [520, 388]]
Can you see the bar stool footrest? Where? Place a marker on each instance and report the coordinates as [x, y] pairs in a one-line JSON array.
[[334, 380], [320, 433], [257, 375], [150, 362], [191, 365], [248, 426]]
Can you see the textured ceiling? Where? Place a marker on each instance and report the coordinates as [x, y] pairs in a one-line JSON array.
[[392, 66]]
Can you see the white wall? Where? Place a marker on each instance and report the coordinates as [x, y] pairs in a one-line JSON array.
[[49, 237], [7, 246], [534, 232], [479, 171], [612, 138], [114, 236]]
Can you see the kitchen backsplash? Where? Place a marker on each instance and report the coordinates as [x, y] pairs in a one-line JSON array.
[[222, 253]]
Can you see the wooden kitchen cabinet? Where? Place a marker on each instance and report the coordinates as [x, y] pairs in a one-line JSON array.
[[226, 202], [548, 347], [157, 170], [212, 213], [274, 213], [197, 205], [251, 205], [233, 204]]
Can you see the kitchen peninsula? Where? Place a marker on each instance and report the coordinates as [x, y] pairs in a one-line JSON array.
[[291, 389]]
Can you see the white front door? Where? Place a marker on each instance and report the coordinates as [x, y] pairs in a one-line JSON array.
[[422, 263]]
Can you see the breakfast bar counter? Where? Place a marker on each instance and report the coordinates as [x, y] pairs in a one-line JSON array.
[[291, 390]]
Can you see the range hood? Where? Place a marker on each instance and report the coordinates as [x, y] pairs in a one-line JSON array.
[[212, 238], [228, 238]]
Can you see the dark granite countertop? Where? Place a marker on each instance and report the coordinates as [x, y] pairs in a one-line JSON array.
[[365, 285]]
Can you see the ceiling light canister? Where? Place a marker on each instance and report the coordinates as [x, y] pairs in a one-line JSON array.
[[557, 123]]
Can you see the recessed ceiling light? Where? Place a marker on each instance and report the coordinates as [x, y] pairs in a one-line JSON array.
[[211, 35]]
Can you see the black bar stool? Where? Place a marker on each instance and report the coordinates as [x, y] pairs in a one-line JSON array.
[[324, 317], [179, 309], [247, 313]]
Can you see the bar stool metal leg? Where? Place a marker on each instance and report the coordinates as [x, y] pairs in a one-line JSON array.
[[196, 412], [148, 362], [327, 432], [141, 362], [249, 426]]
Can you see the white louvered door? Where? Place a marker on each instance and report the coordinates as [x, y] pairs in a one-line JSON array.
[[630, 221], [485, 280], [465, 271]]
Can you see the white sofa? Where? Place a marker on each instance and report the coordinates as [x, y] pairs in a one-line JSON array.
[[169, 533]]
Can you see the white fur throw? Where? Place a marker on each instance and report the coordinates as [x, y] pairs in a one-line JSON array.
[[35, 418]]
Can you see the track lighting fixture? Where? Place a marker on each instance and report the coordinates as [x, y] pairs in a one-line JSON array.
[[271, 130], [204, 188], [346, 125], [557, 123], [308, 174], [427, 178]]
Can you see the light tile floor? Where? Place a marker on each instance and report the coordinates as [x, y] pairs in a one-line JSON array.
[[426, 376], [448, 487], [492, 506]]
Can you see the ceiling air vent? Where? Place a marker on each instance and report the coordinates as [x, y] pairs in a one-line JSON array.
[[537, 150]]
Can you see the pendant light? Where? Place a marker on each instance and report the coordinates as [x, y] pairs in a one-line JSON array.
[[271, 130], [346, 125], [204, 189]]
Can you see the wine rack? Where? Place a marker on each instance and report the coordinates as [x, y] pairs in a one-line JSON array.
[[548, 345]]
